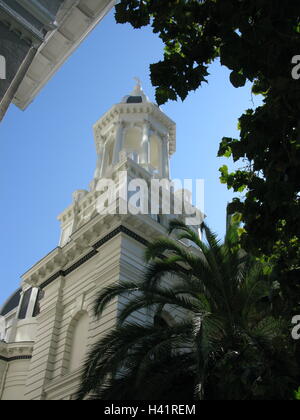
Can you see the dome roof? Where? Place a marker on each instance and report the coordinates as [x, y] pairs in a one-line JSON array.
[[137, 96], [11, 303]]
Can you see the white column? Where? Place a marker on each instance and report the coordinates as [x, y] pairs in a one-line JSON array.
[[165, 157], [119, 127], [145, 157], [11, 336], [32, 301], [100, 155], [3, 373], [49, 322]]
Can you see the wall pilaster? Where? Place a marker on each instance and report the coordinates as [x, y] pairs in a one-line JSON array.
[[3, 370], [165, 157], [118, 141], [43, 357], [145, 158]]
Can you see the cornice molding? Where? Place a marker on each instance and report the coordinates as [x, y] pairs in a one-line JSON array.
[[16, 351], [37, 280]]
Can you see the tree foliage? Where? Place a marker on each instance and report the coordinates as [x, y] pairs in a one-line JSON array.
[[256, 40], [223, 343]]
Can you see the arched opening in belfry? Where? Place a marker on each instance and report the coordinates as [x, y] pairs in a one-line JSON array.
[[132, 143], [156, 153]]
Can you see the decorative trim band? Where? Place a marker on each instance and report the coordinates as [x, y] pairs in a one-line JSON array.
[[11, 359], [80, 262]]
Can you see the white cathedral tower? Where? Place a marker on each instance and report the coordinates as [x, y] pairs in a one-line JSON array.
[[47, 326]]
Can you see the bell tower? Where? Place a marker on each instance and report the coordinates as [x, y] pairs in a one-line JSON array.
[[133, 137], [49, 321]]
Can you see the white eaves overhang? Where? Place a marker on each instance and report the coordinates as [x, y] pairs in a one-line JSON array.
[[74, 23]]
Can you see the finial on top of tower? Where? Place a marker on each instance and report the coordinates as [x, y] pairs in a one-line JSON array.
[[137, 95], [138, 87], [138, 82]]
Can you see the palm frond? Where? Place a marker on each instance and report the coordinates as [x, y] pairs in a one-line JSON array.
[[109, 293], [223, 341]]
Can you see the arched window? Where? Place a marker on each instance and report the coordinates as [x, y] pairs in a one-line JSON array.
[[77, 341], [156, 153], [132, 143]]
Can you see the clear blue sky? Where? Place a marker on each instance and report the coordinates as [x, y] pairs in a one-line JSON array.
[[47, 152]]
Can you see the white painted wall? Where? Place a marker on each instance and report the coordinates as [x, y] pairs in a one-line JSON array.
[[15, 380]]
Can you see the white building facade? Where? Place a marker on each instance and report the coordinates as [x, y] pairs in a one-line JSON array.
[[48, 325]]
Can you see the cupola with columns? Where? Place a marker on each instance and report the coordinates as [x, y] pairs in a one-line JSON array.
[[135, 128]]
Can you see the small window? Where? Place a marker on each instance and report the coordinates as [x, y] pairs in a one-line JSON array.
[[12, 303], [37, 308], [134, 100], [24, 304]]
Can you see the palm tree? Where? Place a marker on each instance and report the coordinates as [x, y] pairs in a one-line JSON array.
[[225, 343]]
